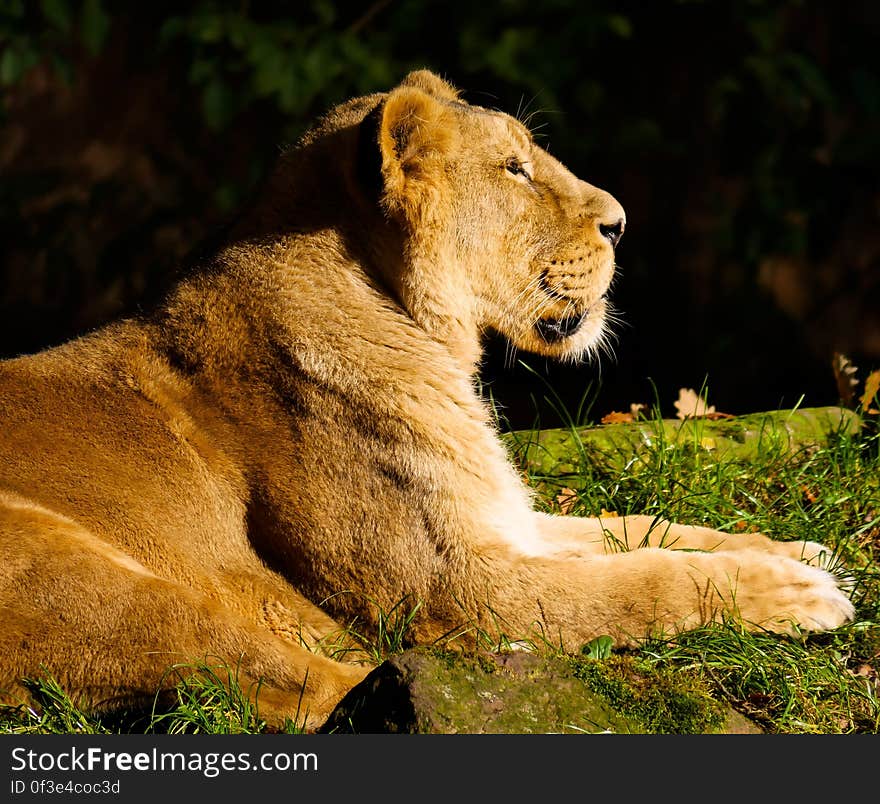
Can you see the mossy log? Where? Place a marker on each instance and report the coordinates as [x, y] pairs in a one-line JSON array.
[[567, 452]]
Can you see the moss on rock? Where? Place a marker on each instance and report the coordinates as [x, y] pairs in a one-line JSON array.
[[431, 691]]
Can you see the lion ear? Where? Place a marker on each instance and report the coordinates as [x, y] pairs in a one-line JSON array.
[[417, 135], [431, 83]]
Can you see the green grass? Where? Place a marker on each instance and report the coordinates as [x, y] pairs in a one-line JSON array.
[[830, 493], [823, 683], [207, 699]]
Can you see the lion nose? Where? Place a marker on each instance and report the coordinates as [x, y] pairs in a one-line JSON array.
[[612, 231]]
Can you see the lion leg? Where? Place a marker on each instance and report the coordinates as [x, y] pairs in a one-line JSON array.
[[652, 591], [107, 629], [601, 535]]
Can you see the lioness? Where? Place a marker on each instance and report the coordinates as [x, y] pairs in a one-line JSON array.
[[293, 439]]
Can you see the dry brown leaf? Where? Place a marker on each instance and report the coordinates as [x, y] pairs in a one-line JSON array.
[[809, 495], [870, 396], [566, 500], [617, 417], [620, 416], [690, 404], [845, 376]]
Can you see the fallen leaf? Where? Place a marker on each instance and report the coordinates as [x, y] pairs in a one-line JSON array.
[[608, 514], [689, 404], [566, 500], [636, 409], [844, 375], [616, 417], [872, 388]]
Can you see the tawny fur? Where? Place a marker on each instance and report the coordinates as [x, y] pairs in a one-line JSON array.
[[293, 439]]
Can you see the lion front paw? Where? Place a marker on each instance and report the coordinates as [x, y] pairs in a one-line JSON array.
[[788, 595]]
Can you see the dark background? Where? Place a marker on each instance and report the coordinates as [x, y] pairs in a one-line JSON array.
[[743, 139]]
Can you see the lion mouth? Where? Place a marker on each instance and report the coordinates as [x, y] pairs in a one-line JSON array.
[[553, 330]]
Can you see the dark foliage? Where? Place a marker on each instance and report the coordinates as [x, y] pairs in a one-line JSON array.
[[742, 137]]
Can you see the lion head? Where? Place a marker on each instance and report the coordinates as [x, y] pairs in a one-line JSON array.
[[526, 247], [469, 223]]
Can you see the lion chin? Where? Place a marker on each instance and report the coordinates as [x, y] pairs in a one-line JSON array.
[[575, 337], [292, 440]]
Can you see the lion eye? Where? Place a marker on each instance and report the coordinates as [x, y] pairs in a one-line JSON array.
[[516, 168]]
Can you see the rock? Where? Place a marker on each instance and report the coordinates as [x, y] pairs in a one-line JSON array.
[[429, 691]]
